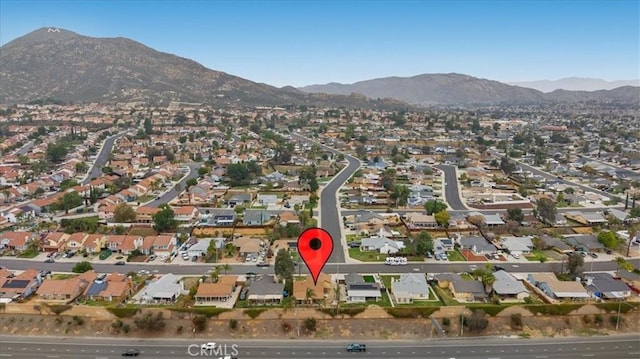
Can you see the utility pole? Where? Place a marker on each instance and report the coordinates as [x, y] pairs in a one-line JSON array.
[[618, 317]]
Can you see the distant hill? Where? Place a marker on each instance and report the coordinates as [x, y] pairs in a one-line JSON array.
[[65, 66], [452, 89], [575, 84]]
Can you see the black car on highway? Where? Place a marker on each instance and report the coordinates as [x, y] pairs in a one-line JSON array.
[[131, 353], [354, 347]]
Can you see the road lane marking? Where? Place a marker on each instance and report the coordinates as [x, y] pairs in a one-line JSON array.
[[53, 356], [588, 355], [5, 355]]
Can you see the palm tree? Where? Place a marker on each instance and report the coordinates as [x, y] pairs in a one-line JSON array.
[[310, 295], [226, 267], [215, 275], [337, 293], [488, 279]]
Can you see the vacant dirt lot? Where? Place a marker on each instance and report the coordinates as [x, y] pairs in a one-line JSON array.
[[280, 324]]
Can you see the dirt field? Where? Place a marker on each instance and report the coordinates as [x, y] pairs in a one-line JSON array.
[[277, 323]]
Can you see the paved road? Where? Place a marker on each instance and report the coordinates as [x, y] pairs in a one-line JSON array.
[[169, 195], [329, 209], [550, 177], [451, 191], [101, 159], [25, 148], [618, 347], [197, 269], [330, 216]]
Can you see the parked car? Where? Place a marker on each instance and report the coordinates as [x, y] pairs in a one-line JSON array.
[[152, 257], [120, 263], [49, 260], [262, 264], [593, 255], [356, 347], [131, 352]]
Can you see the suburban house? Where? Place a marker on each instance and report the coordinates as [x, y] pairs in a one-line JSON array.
[[467, 290], [145, 214], [267, 199], [604, 286], [265, 290], [201, 247], [239, 199], [255, 217], [381, 245], [632, 279], [55, 241], [410, 287], [507, 287], [557, 289], [586, 218], [115, 287], [442, 245], [586, 242], [19, 286], [76, 241], [221, 291], [477, 245], [18, 241], [319, 293], [186, 214], [247, 245], [517, 245], [65, 290], [164, 290], [162, 244], [417, 220], [219, 217], [359, 291]]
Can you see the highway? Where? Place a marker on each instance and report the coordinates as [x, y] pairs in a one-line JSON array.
[[451, 191], [615, 347], [432, 266]]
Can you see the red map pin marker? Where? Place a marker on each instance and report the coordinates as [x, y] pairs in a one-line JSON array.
[[315, 246]]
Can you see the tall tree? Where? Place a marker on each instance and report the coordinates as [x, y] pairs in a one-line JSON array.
[[124, 213], [547, 210], [434, 206], [284, 267], [164, 219]]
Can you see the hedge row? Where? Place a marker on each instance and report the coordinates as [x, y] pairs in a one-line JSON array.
[[123, 312], [208, 311], [411, 312]]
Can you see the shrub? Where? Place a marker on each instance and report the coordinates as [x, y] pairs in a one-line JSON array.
[[615, 319], [59, 308], [598, 319], [123, 312], [179, 329], [586, 319], [477, 321], [310, 324], [82, 267], [253, 313], [446, 322], [286, 327], [409, 312], [516, 321], [199, 322], [150, 322], [78, 320], [126, 328], [208, 311], [233, 324], [116, 326], [553, 309]]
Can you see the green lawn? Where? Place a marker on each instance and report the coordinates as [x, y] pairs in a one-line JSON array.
[[445, 296], [386, 279], [355, 253], [455, 256], [537, 256], [368, 279], [352, 237], [144, 199], [28, 254]]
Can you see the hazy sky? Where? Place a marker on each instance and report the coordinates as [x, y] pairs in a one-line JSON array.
[[307, 42]]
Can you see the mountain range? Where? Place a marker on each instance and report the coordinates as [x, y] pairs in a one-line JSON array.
[[575, 84], [453, 89], [53, 63]]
